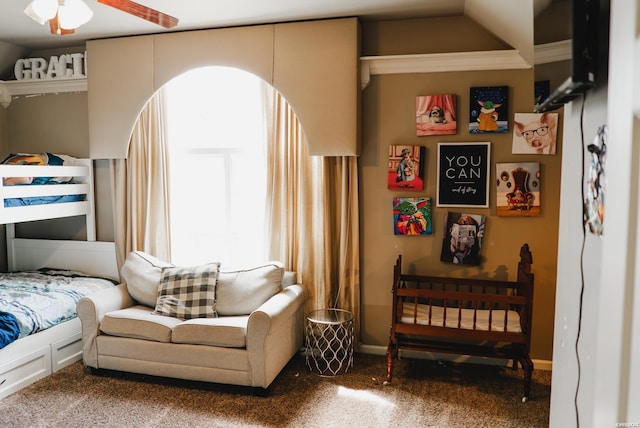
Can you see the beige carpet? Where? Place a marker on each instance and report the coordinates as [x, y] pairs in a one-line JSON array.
[[423, 393]]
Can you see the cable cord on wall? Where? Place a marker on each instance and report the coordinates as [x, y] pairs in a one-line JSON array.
[[584, 239]]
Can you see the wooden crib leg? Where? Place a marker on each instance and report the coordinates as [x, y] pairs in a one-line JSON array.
[[392, 354], [527, 365]]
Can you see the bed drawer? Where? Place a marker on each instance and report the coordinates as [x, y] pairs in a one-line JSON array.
[[16, 374], [66, 351]]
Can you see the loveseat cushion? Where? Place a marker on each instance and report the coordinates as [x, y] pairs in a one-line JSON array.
[[240, 292], [228, 332], [142, 273], [188, 292], [138, 322]]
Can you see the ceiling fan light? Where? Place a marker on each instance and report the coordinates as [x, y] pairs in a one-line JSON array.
[[42, 10], [73, 13]]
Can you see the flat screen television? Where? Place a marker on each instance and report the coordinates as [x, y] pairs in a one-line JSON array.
[[584, 53]]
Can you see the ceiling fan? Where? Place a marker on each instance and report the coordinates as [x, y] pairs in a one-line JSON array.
[[144, 12], [64, 16]]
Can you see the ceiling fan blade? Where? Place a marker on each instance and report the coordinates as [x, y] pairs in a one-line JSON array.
[[144, 12], [54, 26]]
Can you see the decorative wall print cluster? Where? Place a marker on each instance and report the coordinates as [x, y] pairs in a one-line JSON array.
[[406, 167], [518, 189], [436, 115], [412, 216], [463, 174], [535, 133], [462, 238], [489, 109]]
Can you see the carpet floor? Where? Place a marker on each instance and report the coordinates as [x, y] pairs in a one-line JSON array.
[[423, 393]]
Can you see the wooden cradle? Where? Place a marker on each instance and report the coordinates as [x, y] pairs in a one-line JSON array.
[[465, 316]]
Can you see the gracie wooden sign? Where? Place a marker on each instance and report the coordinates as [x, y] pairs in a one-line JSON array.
[[66, 66]]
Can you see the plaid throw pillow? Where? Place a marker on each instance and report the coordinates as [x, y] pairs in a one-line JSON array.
[[188, 292]]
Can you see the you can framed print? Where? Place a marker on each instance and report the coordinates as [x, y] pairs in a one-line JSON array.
[[463, 174]]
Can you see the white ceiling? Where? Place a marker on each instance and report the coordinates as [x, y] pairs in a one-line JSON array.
[[19, 30], [509, 20]]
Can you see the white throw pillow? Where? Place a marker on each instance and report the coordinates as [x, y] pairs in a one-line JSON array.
[[241, 292], [142, 273], [188, 292]]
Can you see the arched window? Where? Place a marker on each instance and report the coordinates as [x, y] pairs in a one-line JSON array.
[[217, 152]]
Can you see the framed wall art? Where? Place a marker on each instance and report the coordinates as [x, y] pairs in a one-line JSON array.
[[406, 168], [518, 189], [436, 115], [412, 216], [489, 109], [463, 174], [462, 238], [535, 133]]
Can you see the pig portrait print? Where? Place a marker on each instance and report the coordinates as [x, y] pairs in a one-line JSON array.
[[535, 133]]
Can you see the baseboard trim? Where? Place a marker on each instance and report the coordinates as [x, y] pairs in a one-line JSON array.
[[382, 350]]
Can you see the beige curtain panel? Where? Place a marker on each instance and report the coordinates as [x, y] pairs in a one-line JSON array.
[[312, 213], [141, 188]]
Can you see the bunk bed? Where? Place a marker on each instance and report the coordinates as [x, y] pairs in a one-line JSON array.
[[37, 355], [61, 198]]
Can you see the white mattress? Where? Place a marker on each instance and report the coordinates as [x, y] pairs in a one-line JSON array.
[[466, 319]]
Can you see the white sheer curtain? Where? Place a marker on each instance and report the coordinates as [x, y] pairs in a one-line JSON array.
[[140, 187], [312, 213]]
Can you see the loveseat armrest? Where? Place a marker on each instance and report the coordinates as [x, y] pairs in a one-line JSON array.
[[275, 334], [92, 309]]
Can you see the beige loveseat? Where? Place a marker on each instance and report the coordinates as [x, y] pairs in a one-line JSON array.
[[240, 345]]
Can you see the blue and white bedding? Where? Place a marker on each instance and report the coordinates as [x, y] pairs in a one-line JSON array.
[[39, 159], [36, 300], [41, 200]]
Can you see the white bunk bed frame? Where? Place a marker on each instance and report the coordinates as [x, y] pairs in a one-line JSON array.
[[82, 184], [34, 357]]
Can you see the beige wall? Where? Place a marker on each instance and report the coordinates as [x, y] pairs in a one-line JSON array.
[[314, 64], [387, 116], [59, 122], [53, 122]]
